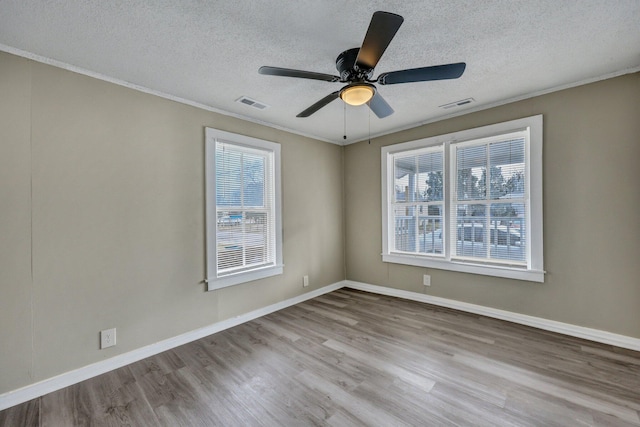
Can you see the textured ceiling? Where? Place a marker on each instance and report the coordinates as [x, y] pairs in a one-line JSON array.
[[209, 52]]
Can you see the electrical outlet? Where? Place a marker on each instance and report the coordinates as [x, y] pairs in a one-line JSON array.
[[426, 280], [108, 338], [305, 281]]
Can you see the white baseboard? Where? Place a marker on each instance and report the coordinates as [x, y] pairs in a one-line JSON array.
[[58, 382], [523, 319]]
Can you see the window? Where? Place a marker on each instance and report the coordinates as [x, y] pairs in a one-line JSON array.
[[244, 228], [469, 201]]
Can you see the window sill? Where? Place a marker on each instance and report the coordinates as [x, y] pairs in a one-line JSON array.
[[243, 277], [465, 267]]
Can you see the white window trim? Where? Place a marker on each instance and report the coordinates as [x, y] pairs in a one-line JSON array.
[[213, 280], [534, 271]]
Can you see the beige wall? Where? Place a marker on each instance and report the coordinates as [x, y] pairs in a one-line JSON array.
[[102, 220], [16, 287], [591, 211]]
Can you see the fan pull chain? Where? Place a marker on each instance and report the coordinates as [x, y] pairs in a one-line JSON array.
[[344, 135], [369, 125]]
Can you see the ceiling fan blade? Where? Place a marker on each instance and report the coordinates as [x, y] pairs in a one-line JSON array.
[[382, 29], [436, 72], [318, 105], [288, 72], [379, 106]]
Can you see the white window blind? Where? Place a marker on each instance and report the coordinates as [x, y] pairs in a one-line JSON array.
[[418, 201], [243, 209], [490, 200], [245, 224]]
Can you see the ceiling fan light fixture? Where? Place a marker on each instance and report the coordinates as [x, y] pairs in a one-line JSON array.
[[357, 94]]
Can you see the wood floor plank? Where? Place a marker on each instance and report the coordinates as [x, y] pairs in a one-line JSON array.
[[550, 412], [380, 364], [362, 409], [548, 386], [27, 415], [349, 358]]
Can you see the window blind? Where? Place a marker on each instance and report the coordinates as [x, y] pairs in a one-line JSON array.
[[245, 208], [490, 201], [417, 208]]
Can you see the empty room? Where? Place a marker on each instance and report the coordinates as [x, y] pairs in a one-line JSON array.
[[418, 213]]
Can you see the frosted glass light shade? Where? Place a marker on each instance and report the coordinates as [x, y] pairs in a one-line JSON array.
[[357, 94]]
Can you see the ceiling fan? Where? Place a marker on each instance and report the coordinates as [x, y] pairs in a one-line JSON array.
[[356, 68]]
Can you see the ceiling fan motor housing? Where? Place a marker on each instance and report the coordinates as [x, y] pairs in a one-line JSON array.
[[346, 65]]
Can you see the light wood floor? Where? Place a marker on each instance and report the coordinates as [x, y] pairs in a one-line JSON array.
[[353, 358]]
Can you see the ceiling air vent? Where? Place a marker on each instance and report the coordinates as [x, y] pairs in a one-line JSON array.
[[251, 102], [457, 103]]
